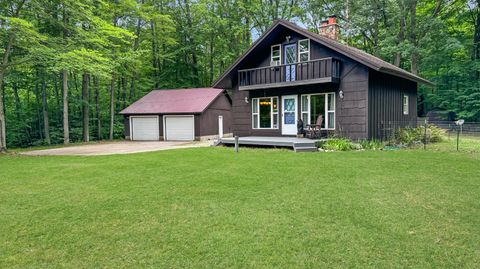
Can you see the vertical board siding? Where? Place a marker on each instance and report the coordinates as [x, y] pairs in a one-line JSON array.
[[386, 104], [208, 120], [352, 110]]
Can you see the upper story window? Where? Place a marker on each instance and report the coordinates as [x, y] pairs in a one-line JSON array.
[[405, 104], [304, 50], [276, 55]]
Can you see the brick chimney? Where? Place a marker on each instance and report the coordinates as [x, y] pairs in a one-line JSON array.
[[329, 28]]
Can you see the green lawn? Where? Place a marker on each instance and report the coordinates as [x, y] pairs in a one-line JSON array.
[[211, 208]]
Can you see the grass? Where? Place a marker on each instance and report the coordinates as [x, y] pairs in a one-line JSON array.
[[211, 208], [467, 144]]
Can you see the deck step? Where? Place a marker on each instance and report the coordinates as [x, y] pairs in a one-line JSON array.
[[305, 149], [304, 144]]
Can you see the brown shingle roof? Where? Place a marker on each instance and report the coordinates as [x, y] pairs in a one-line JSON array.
[[180, 101], [351, 52]]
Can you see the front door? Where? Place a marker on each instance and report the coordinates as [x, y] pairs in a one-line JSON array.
[[289, 115], [290, 61]]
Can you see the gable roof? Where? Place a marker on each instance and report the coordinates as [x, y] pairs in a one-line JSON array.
[[358, 55], [195, 100]]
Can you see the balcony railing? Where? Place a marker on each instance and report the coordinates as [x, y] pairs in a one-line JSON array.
[[316, 71]]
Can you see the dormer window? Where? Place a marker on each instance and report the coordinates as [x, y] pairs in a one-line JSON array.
[[304, 50], [276, 55]]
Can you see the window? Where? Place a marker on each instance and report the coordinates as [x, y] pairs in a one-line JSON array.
[[405, 104], [305, 108], [265, 113], [304, 50], [316, 105], [276, 55], [330, 111]]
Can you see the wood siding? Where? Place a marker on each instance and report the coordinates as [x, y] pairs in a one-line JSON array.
[[208, 120], [386, 104], [351, 112]]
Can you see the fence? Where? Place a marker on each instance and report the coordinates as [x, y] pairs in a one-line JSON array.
[[391, 131]]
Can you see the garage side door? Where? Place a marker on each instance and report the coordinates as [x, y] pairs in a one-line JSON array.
[[145, 128], [179, 128]]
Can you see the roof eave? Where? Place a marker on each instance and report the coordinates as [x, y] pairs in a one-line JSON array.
[[411, 77]]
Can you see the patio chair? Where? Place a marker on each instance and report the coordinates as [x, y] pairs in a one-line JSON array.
[[314, 130]]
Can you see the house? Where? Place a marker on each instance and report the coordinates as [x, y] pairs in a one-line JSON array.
[[179, 115], [290, 73]]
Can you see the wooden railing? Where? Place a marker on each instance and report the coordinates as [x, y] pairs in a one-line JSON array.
[[320, 70]]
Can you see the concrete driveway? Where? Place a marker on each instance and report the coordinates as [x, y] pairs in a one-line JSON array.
[[123, 147]]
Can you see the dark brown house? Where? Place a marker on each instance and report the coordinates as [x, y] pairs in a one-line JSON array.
[[179, 115], [290, 73]]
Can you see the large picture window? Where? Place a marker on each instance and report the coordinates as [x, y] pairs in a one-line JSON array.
[[265, 113], [304, 50], [315, 106]]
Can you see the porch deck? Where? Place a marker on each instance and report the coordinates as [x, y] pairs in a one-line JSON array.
[[298, 144]]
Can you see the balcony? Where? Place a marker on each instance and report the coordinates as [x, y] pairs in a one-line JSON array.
[[326, 70]]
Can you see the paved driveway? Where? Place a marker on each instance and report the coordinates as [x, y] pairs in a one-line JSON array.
[[109, 148]]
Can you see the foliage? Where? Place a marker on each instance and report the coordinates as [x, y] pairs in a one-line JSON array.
[[129, 47], [413, 136], [336, 144], [371, 144], [260, 208]]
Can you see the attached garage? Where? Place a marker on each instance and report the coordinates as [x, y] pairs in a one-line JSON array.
[[179, 115]]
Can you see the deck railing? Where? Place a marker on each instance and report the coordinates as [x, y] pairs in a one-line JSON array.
[[327, 69]]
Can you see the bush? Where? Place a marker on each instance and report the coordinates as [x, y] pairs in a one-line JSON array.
[[412, 136], [371, 144], [337, 144]]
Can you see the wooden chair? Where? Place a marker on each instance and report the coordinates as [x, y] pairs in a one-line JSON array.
[[314, 130]]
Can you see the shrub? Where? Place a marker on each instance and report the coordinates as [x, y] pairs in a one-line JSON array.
[[371, 144], [337, 144], [412, 136]]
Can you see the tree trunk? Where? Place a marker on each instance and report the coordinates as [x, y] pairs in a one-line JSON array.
[[66, 131], [112, 107], [46, 123], [58, 99], [192, 41], [136, 44], [123, 93], [211, 60], [97, 108], [3, 140], [476, 40], [3, 133], [413, 37], [401, 34], [85, 107], [38, 104], [3, 70], [18, 105]]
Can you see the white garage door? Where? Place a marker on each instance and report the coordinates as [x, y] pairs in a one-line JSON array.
[[179, 128], [145, 128]]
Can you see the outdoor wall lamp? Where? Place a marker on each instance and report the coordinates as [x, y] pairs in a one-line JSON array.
[[246, 99], [341, 94]]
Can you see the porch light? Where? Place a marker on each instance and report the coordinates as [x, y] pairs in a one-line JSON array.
[[246, 99], [340, 94]]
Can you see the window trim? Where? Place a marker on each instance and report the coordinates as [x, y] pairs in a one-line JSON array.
[[279, 56], [303, 52], [406, 105], [326, 109], [272, 113]]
